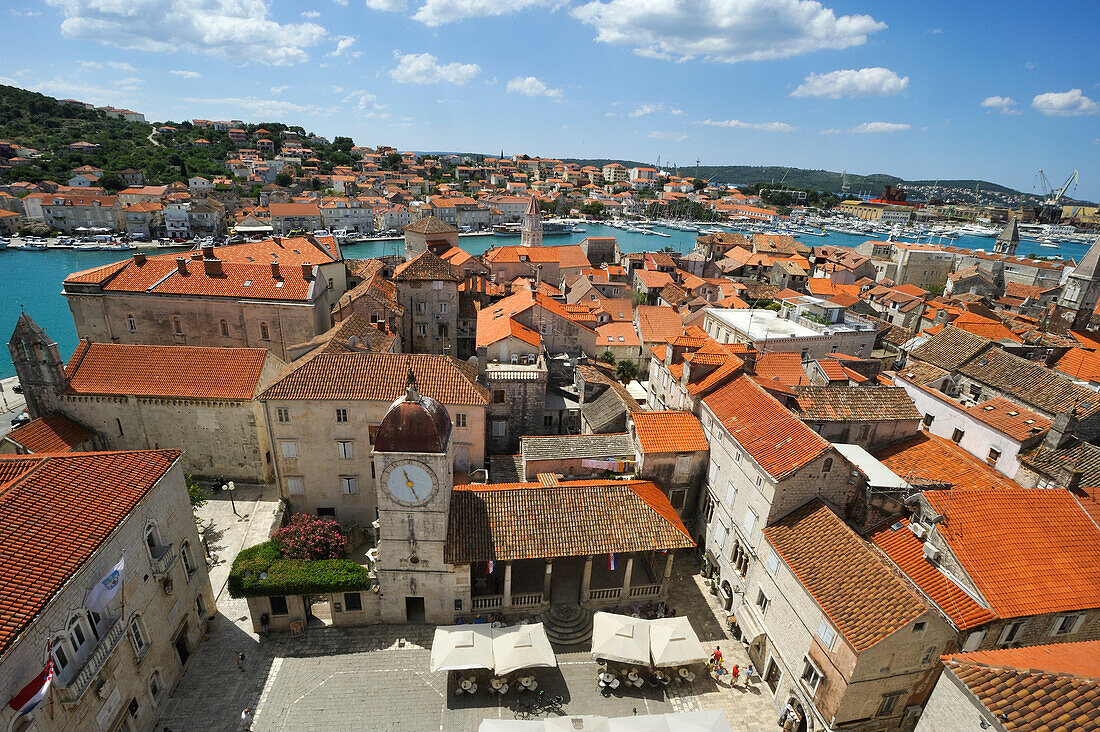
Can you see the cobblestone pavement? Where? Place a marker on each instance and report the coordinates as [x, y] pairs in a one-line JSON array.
[[377, 678]]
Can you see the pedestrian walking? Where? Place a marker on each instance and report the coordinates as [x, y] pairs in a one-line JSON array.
[[246, 719], [734, 673], [749, 671], [240, 662], [265, 628], [716, 657]]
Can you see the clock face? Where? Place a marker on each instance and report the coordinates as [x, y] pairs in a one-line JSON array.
[[409, 483]]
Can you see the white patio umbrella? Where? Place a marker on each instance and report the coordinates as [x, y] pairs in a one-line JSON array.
[[577, 723], [620, 638], [712, 721], [511, 725], [521, 646], [459, 647], [673, 642]]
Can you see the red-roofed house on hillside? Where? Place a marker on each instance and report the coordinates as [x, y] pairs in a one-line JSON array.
[[269, 294], [133, 397], [560, 332], [65, 522], [672, 450], [835, 628]]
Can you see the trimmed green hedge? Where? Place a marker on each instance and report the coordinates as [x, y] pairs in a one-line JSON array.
[[292, 576]]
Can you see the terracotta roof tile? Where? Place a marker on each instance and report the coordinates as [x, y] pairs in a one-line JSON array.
[[1015, 421], [950, 348], [786, 368], [377, 376], [75, 501], [1031, 383], [493, 327], [928, 460], [509, 521], [669, 431], [776, 439], [425, 266], [658, 323], [856, 403], [52, 433], [857, 590], [907, 552], [1050, 561], [1080, 364], [184, 372]]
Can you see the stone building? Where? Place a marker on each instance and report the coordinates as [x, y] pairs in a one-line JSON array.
[[374, 299], [429, 233], [687, 368], [324, 413], [517, 403], [1076, 304], [66, 521], [559, 332], [268, 294], [427, 290], [672, 451], [130, 397], [869, 416], [531, 229]]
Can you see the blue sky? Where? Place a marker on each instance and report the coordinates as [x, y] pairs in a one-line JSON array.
[[920, 90]]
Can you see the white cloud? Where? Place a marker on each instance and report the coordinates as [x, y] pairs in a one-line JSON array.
[[1004, 105], [238, 29], [532, 87], [424, 68], [25, 13], [183, 74], [310, 14], [341, 2], [116, 65], [130, 83], [1065, 104], [388, 5], [279, 89], [261, 107], [873, 82], [343, 47], [363, 99], [879, 127], [934, 31], [738, 124], [831, 131], [724, 30], [676, 136], [437, 12], [659, 107]]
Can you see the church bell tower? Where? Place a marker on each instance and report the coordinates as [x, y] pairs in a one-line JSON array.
[[531, 231], [1079, 294], [414, 458]]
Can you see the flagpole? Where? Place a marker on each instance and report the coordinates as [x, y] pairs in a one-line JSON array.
[[49, 665]]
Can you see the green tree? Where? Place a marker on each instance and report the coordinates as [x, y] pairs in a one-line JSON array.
[[608, 357], [626, 370], [111, 182], [283, 179], [593, 209], [195, 492], [698, 184], [391, 162]]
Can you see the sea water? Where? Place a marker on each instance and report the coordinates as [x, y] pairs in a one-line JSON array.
[[31, 280]]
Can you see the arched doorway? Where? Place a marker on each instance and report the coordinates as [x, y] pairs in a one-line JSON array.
[[803, 722]]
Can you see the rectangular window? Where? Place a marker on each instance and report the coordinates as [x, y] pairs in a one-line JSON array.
[[421, 330], [826, 633], [928, 420], [295, 486], [957, 435], [749, 522], [731, 492], [345, 449], [500, 428], [678, 497], [720, 532], [138, 637], [811, 677], [288, 448], [994, 455], [1068, 624], [442, 330], [762, 602], [889, 704], [460, 419], [443, 307], [154, 686], [327, 511], [341, 416], [773, 562], [420, 307], [185, 557], [278, 605], [349, 485], [918, 627], [498, 396], [928, 656], [353, 601], [1011, 632], [200, 606], [548, 420], [864, 429], [282, 414], [131, 324], [683, 464], [712, 472], [759, 480]]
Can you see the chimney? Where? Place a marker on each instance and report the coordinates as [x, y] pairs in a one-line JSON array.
[[1069, 477], [196, 255], [181, 265], [275, 270], [213, 267], [139, 258], [1061, 430], [207, 251], [307, 271]]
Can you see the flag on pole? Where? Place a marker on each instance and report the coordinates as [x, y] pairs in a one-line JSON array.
[[491, 565], [106, 589], [611, 562], [29, 696]]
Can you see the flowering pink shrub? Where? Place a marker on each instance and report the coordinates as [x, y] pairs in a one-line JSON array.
[[310, 537]]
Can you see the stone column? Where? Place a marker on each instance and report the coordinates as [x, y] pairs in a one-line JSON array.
[[546, 580], [668, 573], [626, 579], [586, 580], [507, 584]]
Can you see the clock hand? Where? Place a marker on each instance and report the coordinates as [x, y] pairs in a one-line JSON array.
[[411, 485]]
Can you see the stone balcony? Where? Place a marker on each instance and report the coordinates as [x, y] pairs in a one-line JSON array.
[[70, 691], [162, 558]]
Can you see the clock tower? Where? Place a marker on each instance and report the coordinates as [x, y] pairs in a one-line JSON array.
[[413, 461]]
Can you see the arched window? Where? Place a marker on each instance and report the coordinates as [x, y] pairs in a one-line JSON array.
[[185, 557], [265, 334], [77, 635], [152, 540], [177, 325], [225, 328], [827, 465], [59, 649], [131, 323], [138, 636]]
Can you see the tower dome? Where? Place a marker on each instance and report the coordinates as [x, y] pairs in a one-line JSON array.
[[414, 423]]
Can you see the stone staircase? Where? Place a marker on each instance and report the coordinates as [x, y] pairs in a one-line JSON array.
[[567, 625]]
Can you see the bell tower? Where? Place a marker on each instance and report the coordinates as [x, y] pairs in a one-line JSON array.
[[38, 364], [414, 461], [1079, 294], [1008, 240], [531, 231]]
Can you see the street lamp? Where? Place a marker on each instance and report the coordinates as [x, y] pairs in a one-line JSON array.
[[232, 487]]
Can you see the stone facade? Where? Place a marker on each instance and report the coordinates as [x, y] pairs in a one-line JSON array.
[[517, 397], [430, 323], [950, 702]]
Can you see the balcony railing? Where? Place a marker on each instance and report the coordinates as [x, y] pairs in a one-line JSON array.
[[645, 590], [528, 598], [161, 558], [69, 692], [489, 601], [611, 593]]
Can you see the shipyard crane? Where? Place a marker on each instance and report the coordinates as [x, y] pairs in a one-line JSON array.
[[1052, 197]]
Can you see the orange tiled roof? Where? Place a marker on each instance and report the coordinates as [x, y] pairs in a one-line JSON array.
[[52, 433], [927, 459], [509, 521], [857, 590], [658, 323], [1052, 688], [856, 403], [492, 327], [1015, 421], [1080, 364], [786, 368], [669, 431], [776, 439], [184, 372], [907, 552], [74, 501], [377, 376], [1050, 561], [616, 334]]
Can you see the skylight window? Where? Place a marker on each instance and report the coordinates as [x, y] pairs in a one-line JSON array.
[[248, 283], [1013, 414]]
